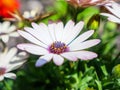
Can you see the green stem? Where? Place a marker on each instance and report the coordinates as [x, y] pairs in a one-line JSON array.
[[116, 58], [7, 85]]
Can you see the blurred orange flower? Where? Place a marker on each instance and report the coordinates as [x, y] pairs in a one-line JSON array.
[[7, 6]]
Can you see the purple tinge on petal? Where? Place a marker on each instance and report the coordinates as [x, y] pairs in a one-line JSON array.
[[40, 62]]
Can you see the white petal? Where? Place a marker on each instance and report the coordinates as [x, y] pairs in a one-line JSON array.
[[85, 55], [111, 17], [33, 49], [59, 31], [41, 33], [74, 33], [82, 37], [84, 45], [67, 30], [15, 65], [31, 38], [52, 31], [47, 32], [5, 26], [58, 60], [3, 59], [11, 28], [115, 9], [20, 56], [12, 52], [14, 34], [47, 57], [70, 56], [10, 75], [1, 77], [5, 38]]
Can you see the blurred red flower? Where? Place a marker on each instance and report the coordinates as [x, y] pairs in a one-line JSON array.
[[7, 6]]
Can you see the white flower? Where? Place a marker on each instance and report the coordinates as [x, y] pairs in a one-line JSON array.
[[7, 30], [58, 42], [31, 14], [10, 60], [114, 8]]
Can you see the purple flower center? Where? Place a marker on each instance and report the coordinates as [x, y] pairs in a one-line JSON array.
[[58, 47], [2, 71]]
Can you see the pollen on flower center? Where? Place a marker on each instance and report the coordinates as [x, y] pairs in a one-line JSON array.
[[2, 71], [58, 47]]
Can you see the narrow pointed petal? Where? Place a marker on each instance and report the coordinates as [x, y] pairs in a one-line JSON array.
[[82, 37], [40, 35], [67, 30], [58, 60], [33, 49], [10, 75], [115, 9], [59, 31], [84, 45], [20, 57], [52, 31], [31, 38], [75, 31], [40, 32], [111, 17], [85, 55], [12, 52], [15, 65]]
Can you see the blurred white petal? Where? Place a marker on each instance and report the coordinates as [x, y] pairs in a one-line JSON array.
[[1, 77], [10, 75]]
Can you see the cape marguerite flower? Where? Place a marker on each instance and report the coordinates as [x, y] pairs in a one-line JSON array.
[[58, 42], [7, 30], [114, 8], [10, 60]]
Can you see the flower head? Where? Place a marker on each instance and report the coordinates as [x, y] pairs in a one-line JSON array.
[[8, 6], [58, 42], [114, 8], [7, 30], [10, 60], [87, 3]]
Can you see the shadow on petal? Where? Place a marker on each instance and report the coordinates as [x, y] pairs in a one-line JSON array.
[[40, 62]]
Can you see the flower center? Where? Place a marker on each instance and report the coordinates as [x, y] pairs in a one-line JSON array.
[[58, 47], [2, 71]]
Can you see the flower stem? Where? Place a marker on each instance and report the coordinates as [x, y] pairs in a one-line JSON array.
[[7, 85]]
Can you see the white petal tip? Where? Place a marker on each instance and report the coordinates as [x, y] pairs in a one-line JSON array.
[[98, 41], [19, 46], [91, 57], [40, 62]]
